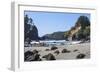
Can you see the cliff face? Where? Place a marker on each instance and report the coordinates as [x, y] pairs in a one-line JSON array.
[[74, 31]]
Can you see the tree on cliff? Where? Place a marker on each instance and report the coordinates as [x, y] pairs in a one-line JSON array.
[[30, 30], [84, 32]]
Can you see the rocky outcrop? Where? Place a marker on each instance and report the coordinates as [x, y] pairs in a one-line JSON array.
[[80, 56], [54, 48], [81, 30], [32, 56], [49, 57], [65, 51], [30, 30]]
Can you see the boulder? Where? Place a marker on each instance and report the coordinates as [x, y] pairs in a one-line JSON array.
[[75, 50], [65, 51], [80, 56], [44, 56], [47, 49], [32, 56], [28, 56], [49, 57], [57, 52], [36, 57], [54, 48], [35, 51]]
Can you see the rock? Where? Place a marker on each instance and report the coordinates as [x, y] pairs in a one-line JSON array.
[[44, 56], [75, 50], [35, 51], [50, 57], [36, 57], [57, 52], [32, 56], [47, 49], [65, 51], [28, 56], [54, 48], [80, 56]]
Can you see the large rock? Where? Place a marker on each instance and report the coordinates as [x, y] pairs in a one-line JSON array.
[[35, 51], [49, 57], [80, 56], [57, 52], [47, 49], [32, 56], [28, 56], [54, 48], [36, 57], [65, 51]]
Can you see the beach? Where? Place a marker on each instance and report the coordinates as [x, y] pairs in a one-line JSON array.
[[74, 51]]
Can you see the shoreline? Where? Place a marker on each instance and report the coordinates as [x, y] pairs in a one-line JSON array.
[[83, 48]]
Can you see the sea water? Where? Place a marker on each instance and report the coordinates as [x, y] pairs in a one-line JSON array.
[[55, 42]]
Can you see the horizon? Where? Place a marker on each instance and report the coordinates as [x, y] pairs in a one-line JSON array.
[[50, 22]]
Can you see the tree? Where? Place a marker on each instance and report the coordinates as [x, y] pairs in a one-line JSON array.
[[30, 30], [83, 21], [83, 33]]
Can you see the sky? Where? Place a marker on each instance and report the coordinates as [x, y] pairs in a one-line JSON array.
[[49, 22]]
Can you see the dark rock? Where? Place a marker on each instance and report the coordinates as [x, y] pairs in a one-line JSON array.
[[65, 51], [28, 55], [47, 49], [35, 51], [57, 52], [49, 57], [36, 57], [44, 56], [54, 48], [75, 50], [32, 56], [80, 56]]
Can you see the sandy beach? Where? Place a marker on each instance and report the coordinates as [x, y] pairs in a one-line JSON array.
[[75, 49]]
